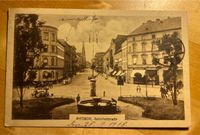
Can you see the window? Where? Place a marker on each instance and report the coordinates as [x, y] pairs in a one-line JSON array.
[[144, 59], [45, 61], [52, 74], [143, 46], [134, 47], [134, 60], [46, 36], [129, 49], [133, 38], [45, 49], [53, 37], [52, 61], [45, 74], [144, 62], [153, 36], [154, 46], [53, 48]]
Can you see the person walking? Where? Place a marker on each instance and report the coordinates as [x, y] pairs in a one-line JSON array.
[[138, 89], [78, 98]]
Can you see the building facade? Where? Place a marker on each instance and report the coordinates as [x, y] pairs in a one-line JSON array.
[[142, 48], [50, 64], [98, 61]]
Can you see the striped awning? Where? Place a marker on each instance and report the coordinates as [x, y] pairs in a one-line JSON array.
[[118, 73]]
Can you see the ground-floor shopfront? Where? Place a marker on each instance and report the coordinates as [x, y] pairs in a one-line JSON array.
[[50, 75], [150, 75]]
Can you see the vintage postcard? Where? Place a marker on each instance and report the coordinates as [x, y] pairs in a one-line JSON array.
[[97, 68]]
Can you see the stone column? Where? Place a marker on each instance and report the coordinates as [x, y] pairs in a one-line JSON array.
[[93, 87]]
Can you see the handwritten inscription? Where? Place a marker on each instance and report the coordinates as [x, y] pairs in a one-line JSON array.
[[78, 123]]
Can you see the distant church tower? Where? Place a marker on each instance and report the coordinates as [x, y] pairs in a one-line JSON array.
[[83, 55]]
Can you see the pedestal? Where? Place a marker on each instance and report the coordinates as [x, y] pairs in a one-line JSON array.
[[93, 87]]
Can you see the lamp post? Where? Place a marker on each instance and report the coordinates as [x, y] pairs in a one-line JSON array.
[[146, 82]]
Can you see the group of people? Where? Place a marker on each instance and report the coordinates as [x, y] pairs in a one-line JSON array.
[[167, 89]]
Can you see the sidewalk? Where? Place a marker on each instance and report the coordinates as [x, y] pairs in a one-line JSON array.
[[130, 89]]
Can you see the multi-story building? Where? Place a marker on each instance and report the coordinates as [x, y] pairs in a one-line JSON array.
[[73, 61], [50, 64], [67, 55], [142, 48], [118, 50], [113, 56], [98, 61]]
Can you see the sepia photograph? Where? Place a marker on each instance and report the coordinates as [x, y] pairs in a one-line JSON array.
[[97, 68]]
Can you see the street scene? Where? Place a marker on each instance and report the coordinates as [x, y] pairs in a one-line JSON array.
[[90, 64]]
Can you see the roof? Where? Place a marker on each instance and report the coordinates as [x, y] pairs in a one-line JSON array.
[[118, 42], [158, 25], [63, 42], [99, 54], [119, 39], [49, 26]]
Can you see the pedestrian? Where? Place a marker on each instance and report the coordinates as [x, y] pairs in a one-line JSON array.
[[138, 89], [78, 98], [104, 93]]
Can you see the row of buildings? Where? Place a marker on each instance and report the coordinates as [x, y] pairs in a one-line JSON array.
[[131, 54], [58, 59]]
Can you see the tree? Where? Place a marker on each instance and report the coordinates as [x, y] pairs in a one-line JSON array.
[[173, 47], [27, 46]]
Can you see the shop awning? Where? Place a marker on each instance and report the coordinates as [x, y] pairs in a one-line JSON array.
[[122, 74], [118, 73], [142, 72], [110, 70], [114, 72]]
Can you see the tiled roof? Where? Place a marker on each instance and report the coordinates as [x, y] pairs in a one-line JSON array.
[[63, 42], [158, 25], [118, 42], [119, 39]]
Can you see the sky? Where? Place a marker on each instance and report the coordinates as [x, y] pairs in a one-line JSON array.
[[104, 28]]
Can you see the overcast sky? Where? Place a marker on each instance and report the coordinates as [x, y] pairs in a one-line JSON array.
[[105, 28]]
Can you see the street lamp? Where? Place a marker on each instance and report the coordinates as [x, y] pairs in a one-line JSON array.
[[146, 82]]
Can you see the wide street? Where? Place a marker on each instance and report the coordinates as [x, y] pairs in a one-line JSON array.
[[81, 85]]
